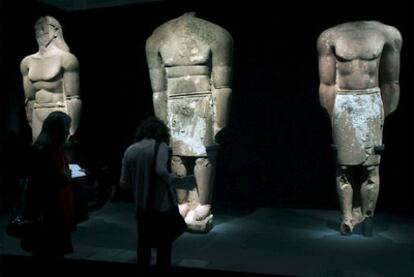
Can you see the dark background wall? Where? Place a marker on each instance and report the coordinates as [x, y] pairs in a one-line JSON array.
[[276, 149]]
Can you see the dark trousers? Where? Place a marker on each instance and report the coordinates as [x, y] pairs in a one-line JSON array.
[[144, 249], [163, 255]]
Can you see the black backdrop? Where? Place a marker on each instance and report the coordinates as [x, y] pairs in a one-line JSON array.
[[276, 149]]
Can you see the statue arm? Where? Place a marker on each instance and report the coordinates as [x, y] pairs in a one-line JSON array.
[[222, 62], [158, 79], [71, 87], [390, 71], [29, 91], [327, 73]]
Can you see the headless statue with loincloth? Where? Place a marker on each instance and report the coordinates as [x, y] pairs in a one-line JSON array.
[[190, 64], [50, 78], [359, 64]]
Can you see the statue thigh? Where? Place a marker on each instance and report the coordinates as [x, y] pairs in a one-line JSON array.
[[204, 170]]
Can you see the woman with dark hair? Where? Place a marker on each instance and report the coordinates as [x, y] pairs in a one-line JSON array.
[[144, 168], [49, 199]]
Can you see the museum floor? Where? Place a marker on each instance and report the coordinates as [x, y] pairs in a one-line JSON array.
[[288, 242]]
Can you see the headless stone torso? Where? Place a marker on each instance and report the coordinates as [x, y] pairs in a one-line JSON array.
[[358, 50], [184, 46], [359, 71]]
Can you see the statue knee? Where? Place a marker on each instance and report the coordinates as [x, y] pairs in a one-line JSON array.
[[345, 187], [342, 179], [372, 176], [202, 162], [177, 166], [176, 160], [372, 171]]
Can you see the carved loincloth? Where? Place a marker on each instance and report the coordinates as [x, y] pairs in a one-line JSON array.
[[357, 123], [190, 119]]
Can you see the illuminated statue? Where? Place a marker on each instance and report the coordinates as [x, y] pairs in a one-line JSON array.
[[50, 77], [190, 64], [359, 65]]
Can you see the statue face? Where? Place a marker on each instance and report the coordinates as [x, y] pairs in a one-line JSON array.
[[45, 33]]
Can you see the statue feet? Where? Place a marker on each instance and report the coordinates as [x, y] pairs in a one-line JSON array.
[[357, 216], [346, 228], [184, 208], [199, 219], [347, 225], [202, 211]]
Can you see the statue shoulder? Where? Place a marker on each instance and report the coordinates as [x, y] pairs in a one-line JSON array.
[[326, 40], [223, 34], [153, 41], [69, 61], [217, 35], [24, 64], [393, 37], [164, 29]]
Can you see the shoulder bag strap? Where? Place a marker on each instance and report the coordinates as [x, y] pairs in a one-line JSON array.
[[153, 178]]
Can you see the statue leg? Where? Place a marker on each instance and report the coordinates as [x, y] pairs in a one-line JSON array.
[[204, 171], [37, 121], [369, 195], [344, 191], [357, 216], [178, 167], [369, 190]]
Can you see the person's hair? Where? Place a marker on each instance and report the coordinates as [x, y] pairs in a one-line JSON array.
[[55, 128], [152, 128], [59, 40]]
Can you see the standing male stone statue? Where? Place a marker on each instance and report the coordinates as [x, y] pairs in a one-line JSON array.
[[50, 77], [190, 65], [359, 65]]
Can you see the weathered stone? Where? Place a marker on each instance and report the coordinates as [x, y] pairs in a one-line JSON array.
[[359, 64], [190, 63], [50, 77]]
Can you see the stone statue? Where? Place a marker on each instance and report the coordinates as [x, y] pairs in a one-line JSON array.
[[190, 65], [359, 64], [50, 78]]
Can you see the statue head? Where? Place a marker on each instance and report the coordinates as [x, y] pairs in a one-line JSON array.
[[48, 30]]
